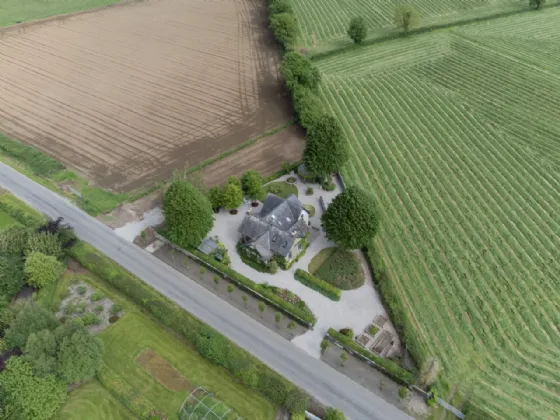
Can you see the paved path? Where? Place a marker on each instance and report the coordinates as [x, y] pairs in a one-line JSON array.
[[321, 381]]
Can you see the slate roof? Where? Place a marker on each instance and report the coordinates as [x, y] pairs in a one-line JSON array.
[[276, 227]]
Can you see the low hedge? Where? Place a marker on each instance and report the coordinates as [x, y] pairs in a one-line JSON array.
[[236, 360], [317, 284], [297, 313], [389, 367]]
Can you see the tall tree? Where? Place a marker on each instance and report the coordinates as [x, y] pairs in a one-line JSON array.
[[298, 70], [79, 354], [357, 31], [215, 197], [40, 352], [252, 183], [232, 196], [31, 318], [326, 150], [42, 270], [351, 219], [45, 243], [284, 27], [406, 17], [27, 396], [188, 214]]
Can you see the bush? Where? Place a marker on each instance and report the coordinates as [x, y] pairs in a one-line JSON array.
[[372, 329], [357, 30], [299, 71], [212, 345], [326, 149], [252, 183], [99, 309], [45, 243], [334, 414], [96, 296], [274, 387], [284, 27], [232, 196], [342, 270], [403, 392], [309, 191], [114, 319], [115, 308], [317, 284], [42, 270], [279, 6], [387, 366], [328, 186], [298, 416], [296, 401], [91, 319], [253, 261], [82, 290], [348, 332]]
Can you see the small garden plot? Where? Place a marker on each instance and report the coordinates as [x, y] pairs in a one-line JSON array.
[[338, 267], [163, 371], [92, 306], [280, 188]]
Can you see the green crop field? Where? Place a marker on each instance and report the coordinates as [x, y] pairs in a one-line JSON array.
[[457, 134], [12, 11], [93, 402], [326, 21]]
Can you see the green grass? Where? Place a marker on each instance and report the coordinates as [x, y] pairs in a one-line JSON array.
[[457, 135], [12, 11], [6, 220], [324, 22], [341, 268], [281, 189], [49, 297], [93, 402], [319, 259], [310, 209], [135, 332]]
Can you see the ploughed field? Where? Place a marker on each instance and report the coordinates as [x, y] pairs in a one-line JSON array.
[[457, 134], [126, 95]]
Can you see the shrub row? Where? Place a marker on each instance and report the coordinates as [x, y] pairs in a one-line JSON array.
[[317, 284], [26, 218], [389, 367], [131, 399], [297, 313], [210, 344], [283, 23]]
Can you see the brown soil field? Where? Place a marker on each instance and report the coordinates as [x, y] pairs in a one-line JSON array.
[[265, 156], [127, 94]]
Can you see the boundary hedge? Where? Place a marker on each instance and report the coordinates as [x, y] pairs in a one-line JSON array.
[[315, 283], [388, 367], [269, 383]]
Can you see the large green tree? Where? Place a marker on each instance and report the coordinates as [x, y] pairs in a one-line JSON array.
[[232, 196], [307, 106], [42, 270], [284, 27], [357, 31], [215, 197], [188, 214], [27, 396], [79, 354], [31, 318], [351, 219], [406, 17], [299, 70], [326, 150], [252, 183], [41, 351], [45, 243], [13, 240], [12, 277], [279, 6]]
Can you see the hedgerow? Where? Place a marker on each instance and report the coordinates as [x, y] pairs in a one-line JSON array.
[[317, 284]]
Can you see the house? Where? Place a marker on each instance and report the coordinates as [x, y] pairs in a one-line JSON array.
[[277, 229]]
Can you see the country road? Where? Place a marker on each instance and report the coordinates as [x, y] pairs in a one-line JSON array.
[[327, 385]]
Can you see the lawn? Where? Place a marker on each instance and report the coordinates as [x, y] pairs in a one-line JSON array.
[[12, 11], [135, 332], [457, 135], [93, 402], [340, 268], [280, 188]]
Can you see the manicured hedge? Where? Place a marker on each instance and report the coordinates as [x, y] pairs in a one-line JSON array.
[[291, 309], [317, 284], [389, 367], [210, 344]]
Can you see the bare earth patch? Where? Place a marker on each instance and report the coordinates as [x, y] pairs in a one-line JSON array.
[[127, 94], [162, 370]]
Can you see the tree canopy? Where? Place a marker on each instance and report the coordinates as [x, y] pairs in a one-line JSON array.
[[406, 17], [188, 214], [351, 219], [29, 396], [284, 26], [307, 106], [279, 6], [215, 197], [357, 31], [42, 270], [232, 196], [298, 70], [12, 277], [45, 243], [31, 318], [252, 183], [536, 4], [326, 150]]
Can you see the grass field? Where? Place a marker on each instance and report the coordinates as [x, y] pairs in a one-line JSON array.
[[134, 333], [326, 21], [12, 11], [457, 134], [93, 402]]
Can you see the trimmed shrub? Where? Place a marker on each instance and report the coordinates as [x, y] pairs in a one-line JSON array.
[[387, 366], [309, 191], [342, 270], [334, 414], [317, 284], [212, 346]]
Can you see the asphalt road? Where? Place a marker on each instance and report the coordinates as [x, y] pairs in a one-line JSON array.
[[326, 384]]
